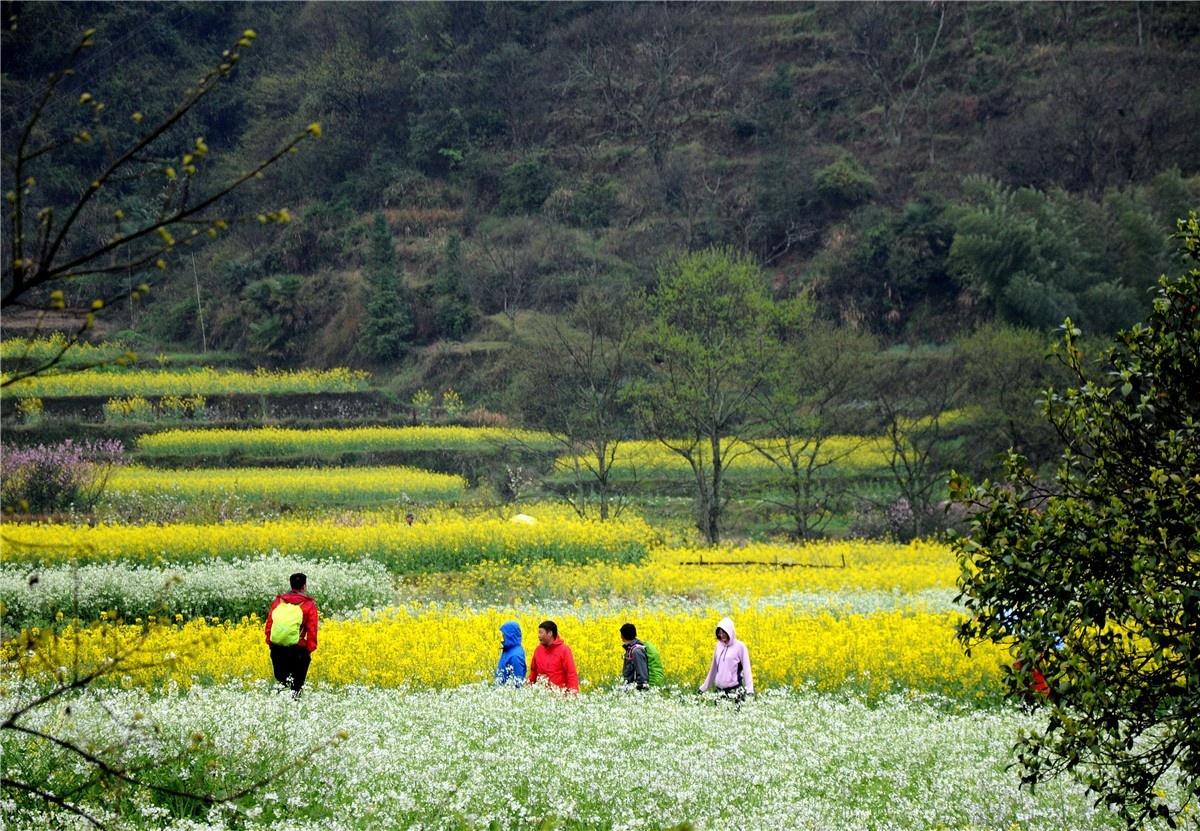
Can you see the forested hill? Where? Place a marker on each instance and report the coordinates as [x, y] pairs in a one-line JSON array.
[[915, 167]]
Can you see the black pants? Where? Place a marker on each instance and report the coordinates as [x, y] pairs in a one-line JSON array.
[[290, 664]]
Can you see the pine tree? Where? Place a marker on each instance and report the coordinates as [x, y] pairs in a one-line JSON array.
[[454, 315], [389, 323]]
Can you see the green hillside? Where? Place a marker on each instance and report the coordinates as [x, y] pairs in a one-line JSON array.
[[914, 168]]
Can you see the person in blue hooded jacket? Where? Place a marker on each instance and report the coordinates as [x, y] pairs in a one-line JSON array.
[[511, 669]]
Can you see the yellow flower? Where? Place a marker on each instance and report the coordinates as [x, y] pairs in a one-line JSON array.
[[874, 652], [201, 381]]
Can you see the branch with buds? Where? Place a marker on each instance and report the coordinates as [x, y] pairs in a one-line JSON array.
[[44, 254]]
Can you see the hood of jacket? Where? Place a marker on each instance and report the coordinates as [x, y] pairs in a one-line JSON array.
[[727, 624], [298, 598], [511, 630], [557, 642]]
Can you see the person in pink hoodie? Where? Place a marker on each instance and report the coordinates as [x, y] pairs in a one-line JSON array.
[[730, 671]]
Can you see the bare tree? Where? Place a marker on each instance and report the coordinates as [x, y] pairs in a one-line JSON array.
[[809, 398], [574, 375], [916, 397], [893, 45], [651, 87], [514, 263], [92, 244]]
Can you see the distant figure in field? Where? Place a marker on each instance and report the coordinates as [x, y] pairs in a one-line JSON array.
[[409, 518], [730, 671], [553, 660], [511, 668], [291, 634], [643, 663]]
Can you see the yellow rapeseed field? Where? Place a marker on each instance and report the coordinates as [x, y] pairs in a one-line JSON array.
[[324, 486], [443, 647], [444, 543], [280, 441], [56, 344], [818, 567], [199, 381], [644, 458]]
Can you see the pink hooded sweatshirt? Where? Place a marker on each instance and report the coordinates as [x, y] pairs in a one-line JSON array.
[[723, 673]]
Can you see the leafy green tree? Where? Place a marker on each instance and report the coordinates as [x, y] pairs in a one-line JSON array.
[[1036, 257], [712, 338], [844, 183], [891, 275], [594, 203], [389, 323], [1005, 370], [280, 310], [1094, 580]]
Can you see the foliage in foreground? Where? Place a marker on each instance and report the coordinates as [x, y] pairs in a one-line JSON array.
[[1096, 579]]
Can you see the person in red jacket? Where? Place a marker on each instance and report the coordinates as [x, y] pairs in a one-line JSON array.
[[553, 659], [291, 634]]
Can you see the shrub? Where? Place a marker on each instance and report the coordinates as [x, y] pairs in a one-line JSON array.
[[525, 185], [844, 183], [30, 410], [594, 203], [422, 402], [133, 408], [49, 478], [480, 417], [452, 403]]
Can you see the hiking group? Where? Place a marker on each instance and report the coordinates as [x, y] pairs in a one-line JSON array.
[[291, 635], [729, 673]]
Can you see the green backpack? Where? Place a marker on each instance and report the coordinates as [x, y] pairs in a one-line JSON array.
[[285, 624], [654, 667]]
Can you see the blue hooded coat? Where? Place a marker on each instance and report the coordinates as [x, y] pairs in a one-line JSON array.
[[511, 669]]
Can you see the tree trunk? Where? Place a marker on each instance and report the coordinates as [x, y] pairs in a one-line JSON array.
[[713, 520]]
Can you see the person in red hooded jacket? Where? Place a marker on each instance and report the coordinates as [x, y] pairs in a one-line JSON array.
[[295, 634], [553, 659]]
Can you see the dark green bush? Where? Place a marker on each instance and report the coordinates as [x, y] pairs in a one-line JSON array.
[[525, 185]]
